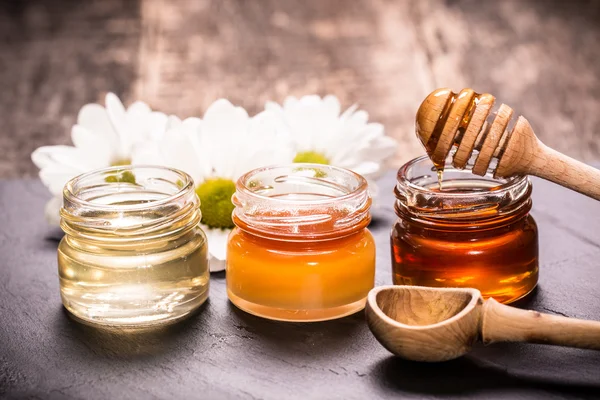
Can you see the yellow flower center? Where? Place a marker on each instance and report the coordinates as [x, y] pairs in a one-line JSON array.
[[118, 163], [314, 158], [123, 176], [311, 157], [215, 202]]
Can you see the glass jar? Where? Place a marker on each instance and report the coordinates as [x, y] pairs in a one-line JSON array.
[[301, 250], [475, 232], [133, 253]]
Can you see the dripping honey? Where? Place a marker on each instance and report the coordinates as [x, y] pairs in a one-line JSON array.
[[474, 233], [439, 158]]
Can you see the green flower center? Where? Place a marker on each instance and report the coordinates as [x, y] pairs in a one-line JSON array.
[[311, 157], [123, 176], [215, 202], [118, 163], [314, 158]]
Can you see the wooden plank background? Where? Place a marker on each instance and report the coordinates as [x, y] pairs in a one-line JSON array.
[[541, 57]]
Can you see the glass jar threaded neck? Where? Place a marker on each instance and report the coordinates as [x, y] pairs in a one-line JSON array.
[[465, 199], [151, 203], [301, 202]]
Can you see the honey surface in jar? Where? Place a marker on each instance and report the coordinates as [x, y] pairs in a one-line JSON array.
[[301, 279]]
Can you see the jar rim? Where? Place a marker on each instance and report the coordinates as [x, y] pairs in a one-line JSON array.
[[244, 180], [301, 201], [153, 203], [70, 194], [403, 180], [487, 199]]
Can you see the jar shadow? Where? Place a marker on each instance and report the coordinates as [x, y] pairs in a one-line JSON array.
[[379, 222], [465, 375], [217, 276], [528, 300], [53, 237], [283, 338], [133, 343]]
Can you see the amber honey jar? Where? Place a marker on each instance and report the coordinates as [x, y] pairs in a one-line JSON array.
[[473, 232], [301, 250]]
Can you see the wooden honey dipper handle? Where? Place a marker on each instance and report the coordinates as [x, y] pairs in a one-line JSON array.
[[464, 120], [525, 154], [502, 323], [566, 171]]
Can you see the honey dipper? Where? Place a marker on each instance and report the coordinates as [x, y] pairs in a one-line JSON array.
[[439, 324], [446, 119]]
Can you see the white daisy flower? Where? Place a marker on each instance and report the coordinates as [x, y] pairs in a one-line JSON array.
[[103, 136], [216, 151], [322, 135]]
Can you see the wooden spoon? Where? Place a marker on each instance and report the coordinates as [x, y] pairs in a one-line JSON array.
[[446, 119], [439, 324]]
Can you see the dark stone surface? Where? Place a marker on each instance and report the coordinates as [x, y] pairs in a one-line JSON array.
[[223, 353]]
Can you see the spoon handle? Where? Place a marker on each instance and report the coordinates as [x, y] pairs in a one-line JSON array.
[[549, 164], [502, 323]]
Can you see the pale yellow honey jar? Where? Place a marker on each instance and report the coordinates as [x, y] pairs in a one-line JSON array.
[[133, 254]]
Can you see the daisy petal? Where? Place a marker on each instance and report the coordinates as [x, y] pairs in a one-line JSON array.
[[273, 107], [154, 128], [139, 108], [216, 265], [290, 102], [367, 169], [173, 122], [217, 241], [349, 112], [103, 136], [222, 125], [217, 247], [332, 105], [265, 144], [147, 154], [118, 118], [347, 140], [310, 100], [67, 156], [97, 149], [54, 177], [223, 117], [94, 117], [312, 121], [192, 123], [45, 156], [381, 148], [180, 149], [52, 210], [358, 117]]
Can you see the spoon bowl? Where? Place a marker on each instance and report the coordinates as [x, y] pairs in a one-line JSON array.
[[408, 319], [440, 324]]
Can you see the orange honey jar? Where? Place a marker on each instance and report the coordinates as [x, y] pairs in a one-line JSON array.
[[301, 250]]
